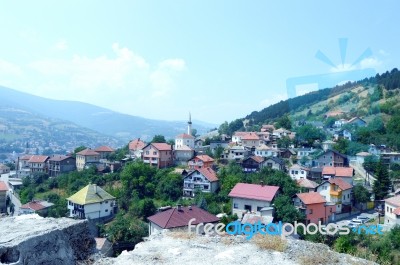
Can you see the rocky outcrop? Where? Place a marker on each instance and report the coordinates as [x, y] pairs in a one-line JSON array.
[[173, 248], [32, 240]]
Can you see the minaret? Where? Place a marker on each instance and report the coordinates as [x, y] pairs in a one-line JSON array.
[[190, 125]]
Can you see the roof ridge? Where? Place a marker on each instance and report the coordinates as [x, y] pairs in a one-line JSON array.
[[169, 218]]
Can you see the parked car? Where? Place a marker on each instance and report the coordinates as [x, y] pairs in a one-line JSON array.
[[355, 223], [364, 218]]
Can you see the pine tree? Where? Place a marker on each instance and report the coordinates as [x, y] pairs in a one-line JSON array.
[[382, 182]]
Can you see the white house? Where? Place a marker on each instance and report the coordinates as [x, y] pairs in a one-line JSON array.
[[91, 202], [340, 123], [266, 151], [298, 172], [304, 152], [184, 139], [85, 157], [204, 179], [392, 211], [235, 153], [251, 198], [336, 191]]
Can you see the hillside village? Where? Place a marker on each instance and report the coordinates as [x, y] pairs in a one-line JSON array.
[[292, 169]]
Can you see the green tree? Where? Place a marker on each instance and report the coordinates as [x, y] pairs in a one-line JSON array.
[[127, 229], [382, 183], [284, 122], [158, 139], [285, 210], [78, 149], [194, 132], [284, 142], [169, 187], [147, 208], [361, 194], [308, 134]]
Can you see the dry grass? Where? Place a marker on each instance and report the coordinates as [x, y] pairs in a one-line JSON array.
[[270, 242], [321, 257]]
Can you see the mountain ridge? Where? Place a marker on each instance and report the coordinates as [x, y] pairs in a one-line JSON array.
[[100, 119]]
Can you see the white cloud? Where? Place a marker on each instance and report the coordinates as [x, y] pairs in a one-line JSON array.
[[370, 63], [61, 45], [343, 68], [273, 99], [7, 68], [173, 64], [383, 52], [120, 82]]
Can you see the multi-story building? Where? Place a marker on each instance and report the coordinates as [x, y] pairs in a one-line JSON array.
[[297, 172], [3, 197], [392, 211], [184, 139], [4, 169], [60, 164], [104, 151], [314, 207], [159, 155], [331, 158], [251, 198], [200, 161], [38, 164], [136, 148], [85, 158], [91, 202], [336, 191], [203, 179], [266, 151], [344, 173]]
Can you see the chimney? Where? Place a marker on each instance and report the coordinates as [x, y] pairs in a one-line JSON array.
[[179, 207], [262, 183]]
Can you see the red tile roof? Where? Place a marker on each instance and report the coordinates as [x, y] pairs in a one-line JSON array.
[[306, 183], [38, 159], [136, 145], [205, 158], [88, 152], [184, 136], [208, 173], [258, 159], [36, 205], [180, 218], [311, 198], [254, 192], [394, 200], [3, 186], [58, 158], [27, 157], [104, 149], [162, 146], [250, 136], [343, 185], [397, 211], [346, 172]]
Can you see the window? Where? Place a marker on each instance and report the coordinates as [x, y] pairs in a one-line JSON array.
[[106, 202], [259, 208], [235, 206], [311, 211], [302, 172], [154, 153], [206, 187], [147, 152], [292, 171], [330, 164], [247, 207], [106, 210]]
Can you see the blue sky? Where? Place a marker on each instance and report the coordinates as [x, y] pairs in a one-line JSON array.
[[220, 60]]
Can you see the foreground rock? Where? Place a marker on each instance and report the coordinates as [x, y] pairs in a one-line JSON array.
[[179, 248], [32, 240]]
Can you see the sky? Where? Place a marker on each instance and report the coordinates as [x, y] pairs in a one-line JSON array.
[[220, 60]]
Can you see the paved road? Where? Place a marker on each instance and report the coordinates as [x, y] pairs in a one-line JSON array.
[[359, 170], [14, 199]]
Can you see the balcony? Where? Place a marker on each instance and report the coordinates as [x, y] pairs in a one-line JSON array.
[[336, 193]]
